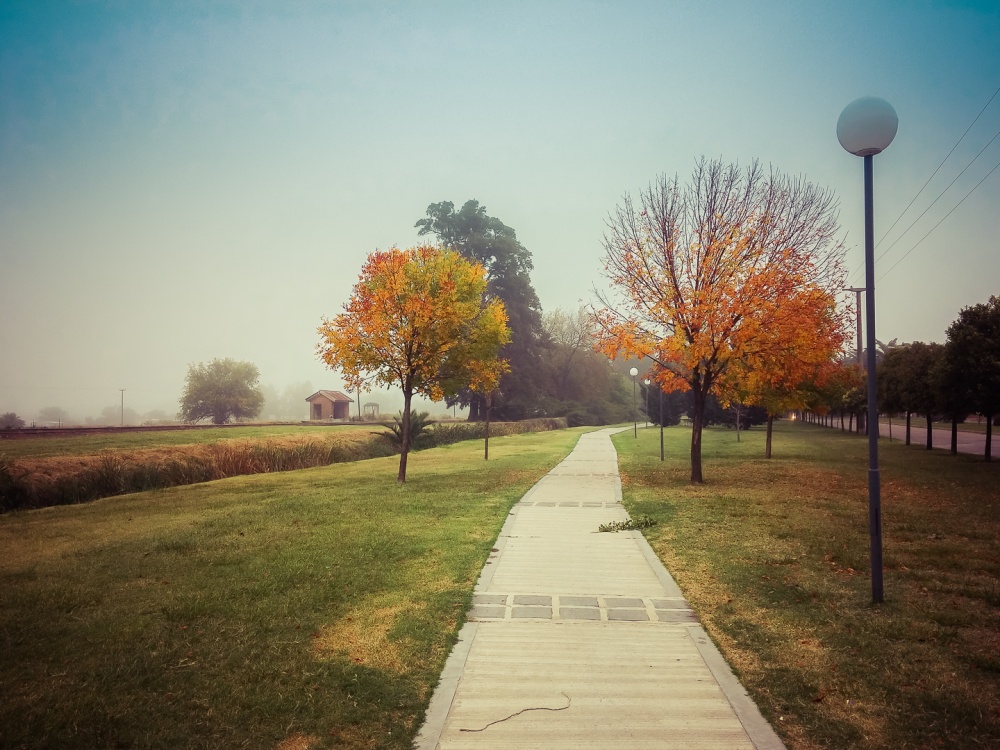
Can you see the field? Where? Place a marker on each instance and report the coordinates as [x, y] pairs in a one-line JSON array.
[[92, 444], [774, 557], [304, 609]]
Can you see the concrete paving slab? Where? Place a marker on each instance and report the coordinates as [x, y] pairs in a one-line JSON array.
[[581, 639]]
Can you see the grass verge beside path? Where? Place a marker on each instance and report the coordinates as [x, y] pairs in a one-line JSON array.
[[773, 555], [309, 609]]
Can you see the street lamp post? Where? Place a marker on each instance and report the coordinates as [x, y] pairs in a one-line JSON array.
[[635, 416], [857, 291], [866, 127], [660, 387], [645, 422]]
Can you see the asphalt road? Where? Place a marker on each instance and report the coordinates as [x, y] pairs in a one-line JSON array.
[[968, 442]]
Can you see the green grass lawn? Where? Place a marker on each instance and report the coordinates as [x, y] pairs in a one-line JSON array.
[[79, 445], [774, 557], [301, 609]]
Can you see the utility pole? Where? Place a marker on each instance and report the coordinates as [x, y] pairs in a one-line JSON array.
[[123, 406], [857, 291]]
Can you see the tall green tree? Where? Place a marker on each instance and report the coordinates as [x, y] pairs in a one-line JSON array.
[[973, 350], [486, 240], [952, 394], [906, 382], [221, 390]]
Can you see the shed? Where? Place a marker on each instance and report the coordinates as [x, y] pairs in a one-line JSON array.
[[329, 405]]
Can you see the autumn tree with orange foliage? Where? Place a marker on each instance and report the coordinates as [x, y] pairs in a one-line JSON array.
[[793, 358], [701, 273], [418, 319]]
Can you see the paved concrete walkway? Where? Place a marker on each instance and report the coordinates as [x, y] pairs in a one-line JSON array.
[[579, 639]]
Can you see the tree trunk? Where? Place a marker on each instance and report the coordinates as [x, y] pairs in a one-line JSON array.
[[697, 419], [930, 433], [850, 422], [767, 443], [474, 408], [737, 424], [954, 436], [907, 426], [890, 427], [989, 436], [841, 420], [405, 443]]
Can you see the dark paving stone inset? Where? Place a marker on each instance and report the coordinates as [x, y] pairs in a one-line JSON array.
[[628, 615], [593, 505], [546, 505], [543, 612], [670, 604], [580, 613], [489, 599], [530, 599], [481, 610], [569, 505], [618, 602], [578, 601], [676, 615]]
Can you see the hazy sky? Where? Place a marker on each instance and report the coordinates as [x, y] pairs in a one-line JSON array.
[[188, 180]]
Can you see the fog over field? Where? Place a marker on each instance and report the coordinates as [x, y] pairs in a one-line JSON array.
[[181, 181]]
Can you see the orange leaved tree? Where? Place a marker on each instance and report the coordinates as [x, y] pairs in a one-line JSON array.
[[419, 319], [699, 273], [792, 358]]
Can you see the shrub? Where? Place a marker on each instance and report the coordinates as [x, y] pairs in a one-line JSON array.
[[420, 423]]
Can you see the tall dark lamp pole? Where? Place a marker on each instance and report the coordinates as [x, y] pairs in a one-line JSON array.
[[635, 414], [866, 127], [660, 387]]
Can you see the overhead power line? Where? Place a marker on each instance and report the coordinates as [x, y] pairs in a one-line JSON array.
[[939, 222], [882, 254], [860, 267], [938, 168]]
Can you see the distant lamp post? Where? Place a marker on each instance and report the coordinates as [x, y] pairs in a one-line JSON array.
[[660, 389], [635, 414], [866, 127], [645, 422], [123, 406]]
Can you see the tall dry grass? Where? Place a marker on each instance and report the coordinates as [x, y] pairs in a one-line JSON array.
[[114, 472]]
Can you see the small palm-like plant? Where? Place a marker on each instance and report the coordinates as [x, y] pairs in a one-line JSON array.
[[420, 424]]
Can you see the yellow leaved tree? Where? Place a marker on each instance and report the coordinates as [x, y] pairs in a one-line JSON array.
[[418, 319]]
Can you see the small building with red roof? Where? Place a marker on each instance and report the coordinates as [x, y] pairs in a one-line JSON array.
[[329, 405]]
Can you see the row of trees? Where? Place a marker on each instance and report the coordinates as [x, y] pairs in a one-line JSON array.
[[951, 380], [109, 415]]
